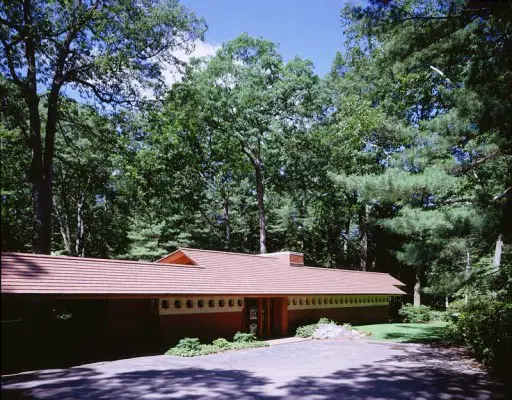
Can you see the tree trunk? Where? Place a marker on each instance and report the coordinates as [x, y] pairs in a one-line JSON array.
[[468, 268], [41, 168], [64, 227], [364, 218], [79, 243], [497, 251], [260, 191], [41, 197], [417, 287], [255, 159], [225, 215], [345, 238]]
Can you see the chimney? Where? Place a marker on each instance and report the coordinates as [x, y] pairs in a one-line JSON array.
[[291, 257]]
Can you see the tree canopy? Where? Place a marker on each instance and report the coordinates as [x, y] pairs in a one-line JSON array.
[[398, 160]]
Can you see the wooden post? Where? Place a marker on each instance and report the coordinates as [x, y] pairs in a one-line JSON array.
[[267, 301], [284, 316], [260, 328]]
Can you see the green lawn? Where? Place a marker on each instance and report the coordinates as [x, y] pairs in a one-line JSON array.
[[406, 333]]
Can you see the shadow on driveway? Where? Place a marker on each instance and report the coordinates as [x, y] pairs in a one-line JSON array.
[[412, 372]]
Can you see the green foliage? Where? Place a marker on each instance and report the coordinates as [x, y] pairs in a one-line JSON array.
[[411, 313], [307, 331], [191, 344], [241, 337], [324, 320], [398, 159], [407, 332], [487, 329], [221, 343], [192, 347]]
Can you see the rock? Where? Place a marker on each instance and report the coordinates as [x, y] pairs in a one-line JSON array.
[[333, 331]]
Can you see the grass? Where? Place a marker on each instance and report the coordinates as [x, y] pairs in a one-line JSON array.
[[406, 332]]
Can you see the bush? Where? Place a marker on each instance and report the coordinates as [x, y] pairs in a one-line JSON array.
[[487, 330], [191, 344], [306, 331], [191, 347], [411, 313], [325, 321], [244, 337], [221, 343], [436, 316]]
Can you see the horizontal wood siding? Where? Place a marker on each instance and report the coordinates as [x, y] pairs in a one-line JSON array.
[[207, 327], [132, 327]]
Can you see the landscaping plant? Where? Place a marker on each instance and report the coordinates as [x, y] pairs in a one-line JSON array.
[[192, 347], [487, 330]]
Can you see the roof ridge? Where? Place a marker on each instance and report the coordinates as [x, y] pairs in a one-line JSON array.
[[347, 270], [228, 252], [116, 260]]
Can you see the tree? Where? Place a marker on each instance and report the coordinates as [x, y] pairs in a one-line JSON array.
[[102, 49], [248, 99], [440, 69]]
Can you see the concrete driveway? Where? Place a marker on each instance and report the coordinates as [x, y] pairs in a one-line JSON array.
[[315, 370]]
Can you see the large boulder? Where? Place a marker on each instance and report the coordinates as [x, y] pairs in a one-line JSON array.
[[333, 331]]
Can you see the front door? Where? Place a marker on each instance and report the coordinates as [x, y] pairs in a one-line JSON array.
[[258, 316]]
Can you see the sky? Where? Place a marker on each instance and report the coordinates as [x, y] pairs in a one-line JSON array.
[[308, 28]]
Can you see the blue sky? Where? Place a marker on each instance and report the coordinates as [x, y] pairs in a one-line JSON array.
[[308, 28]]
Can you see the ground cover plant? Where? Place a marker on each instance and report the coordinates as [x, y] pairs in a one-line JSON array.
[[192, 347]]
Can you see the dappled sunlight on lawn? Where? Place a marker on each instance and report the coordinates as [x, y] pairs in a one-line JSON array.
[[406, 332]]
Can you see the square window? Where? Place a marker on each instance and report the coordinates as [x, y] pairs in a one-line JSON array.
[[211, 303], [294, 302], [165, 304], [307, 302], [331, 301], [240, 302], [190, 304], [222, 303], [177, 304], [200, 303], [231, 302], [301, 302]]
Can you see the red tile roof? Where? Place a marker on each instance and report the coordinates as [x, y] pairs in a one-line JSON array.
[[215, 273]]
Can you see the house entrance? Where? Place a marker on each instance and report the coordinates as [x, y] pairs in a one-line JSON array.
[[264, 316]]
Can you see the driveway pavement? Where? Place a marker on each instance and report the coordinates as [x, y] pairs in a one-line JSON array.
[[313, 370]]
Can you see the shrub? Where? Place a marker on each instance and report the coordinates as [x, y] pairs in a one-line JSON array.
[[191, 344], [191, 347], [244, 337], [221, 343], [436, 315], [247, 345], [306, 330], [325, 321], [411, 313], [487, 330]]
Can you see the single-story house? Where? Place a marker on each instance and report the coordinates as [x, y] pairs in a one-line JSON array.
[[85, 308]]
